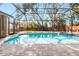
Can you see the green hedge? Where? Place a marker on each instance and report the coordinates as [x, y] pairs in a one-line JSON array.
[[2, 36]]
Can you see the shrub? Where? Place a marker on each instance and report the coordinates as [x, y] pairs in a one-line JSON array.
[[2, 36]]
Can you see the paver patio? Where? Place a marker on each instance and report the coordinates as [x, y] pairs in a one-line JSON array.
[[38, 50]]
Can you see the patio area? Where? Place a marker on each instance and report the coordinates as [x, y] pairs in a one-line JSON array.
[[38, 50]]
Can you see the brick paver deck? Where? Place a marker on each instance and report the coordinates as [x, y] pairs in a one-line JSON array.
[[38, 50]]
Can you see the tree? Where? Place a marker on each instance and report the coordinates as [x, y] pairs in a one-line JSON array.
[[54, 16], [75, 7], [59, 23]]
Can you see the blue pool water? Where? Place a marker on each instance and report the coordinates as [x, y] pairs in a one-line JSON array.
[[53, 38]]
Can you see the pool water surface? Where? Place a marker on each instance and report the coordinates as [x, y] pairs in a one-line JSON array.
[[41, 38]]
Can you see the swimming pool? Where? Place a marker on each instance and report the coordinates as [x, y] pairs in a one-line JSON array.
[[41, 38]]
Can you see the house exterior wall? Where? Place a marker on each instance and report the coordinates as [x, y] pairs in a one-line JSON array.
[[3, 25], [0, 25]]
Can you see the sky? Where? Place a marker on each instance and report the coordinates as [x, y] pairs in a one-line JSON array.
[[7, 8]]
